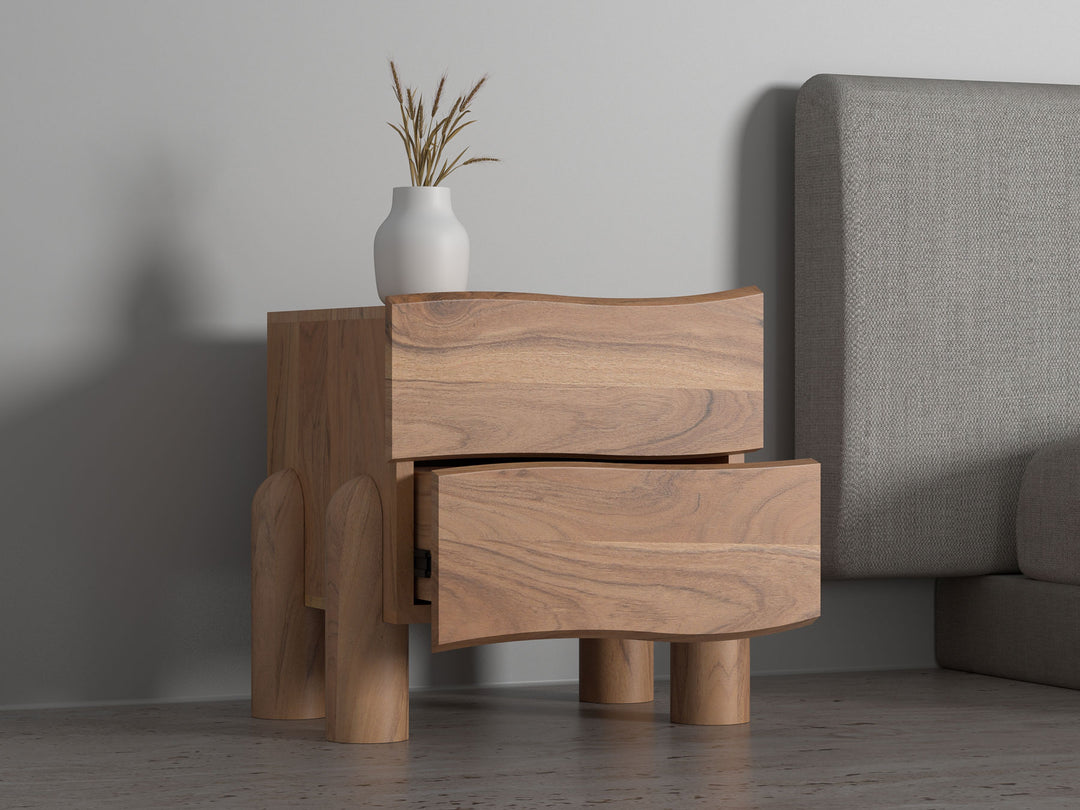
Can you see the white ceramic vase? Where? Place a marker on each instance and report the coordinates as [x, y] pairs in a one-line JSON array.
[[421, 247]]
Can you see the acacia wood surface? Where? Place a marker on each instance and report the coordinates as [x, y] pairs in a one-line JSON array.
[[486, 375], [321, 315], [612, 670], [287, 654], [425, 529], [462, 295], [710, 682], [326, 416], [615, 670], [563, 549], [711, 679], [367, 659]]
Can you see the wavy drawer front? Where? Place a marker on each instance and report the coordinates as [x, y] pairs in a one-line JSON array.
[[490, 374], [563, 549]]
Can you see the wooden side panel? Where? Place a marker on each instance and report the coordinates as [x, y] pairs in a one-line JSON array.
[[492, 374], [326, 403], [313, 452], [297, 431], [399, 541], [282, 397], [425, 527], [686, 552], [356, 397]]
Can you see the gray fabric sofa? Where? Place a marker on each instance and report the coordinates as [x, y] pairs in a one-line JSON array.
[[937, 352]]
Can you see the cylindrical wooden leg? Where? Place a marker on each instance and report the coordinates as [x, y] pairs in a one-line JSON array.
[[710, 682], [367, 660], [286, 636], [615, 670]]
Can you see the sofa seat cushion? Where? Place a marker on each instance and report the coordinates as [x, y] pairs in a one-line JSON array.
[[1048, 515]]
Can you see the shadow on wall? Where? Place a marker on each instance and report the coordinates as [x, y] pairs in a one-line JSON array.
[[866, 624], [125, 512], [765, 252], [125, 497]]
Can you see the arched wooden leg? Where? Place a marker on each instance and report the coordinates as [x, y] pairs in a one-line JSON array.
[[367, 660], [287, 656], [710, 682], [615, 670]]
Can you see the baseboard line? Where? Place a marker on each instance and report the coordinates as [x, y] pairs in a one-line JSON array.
[[100, 704]]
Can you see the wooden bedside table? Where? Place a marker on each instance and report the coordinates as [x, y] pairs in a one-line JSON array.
[[512, 466]]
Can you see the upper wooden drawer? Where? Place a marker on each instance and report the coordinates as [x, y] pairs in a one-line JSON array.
[[497, 374]]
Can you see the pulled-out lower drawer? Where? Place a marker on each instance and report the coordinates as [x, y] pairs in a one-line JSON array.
[[686, 552]]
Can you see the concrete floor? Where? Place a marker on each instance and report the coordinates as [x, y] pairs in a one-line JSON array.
[[867, 740]]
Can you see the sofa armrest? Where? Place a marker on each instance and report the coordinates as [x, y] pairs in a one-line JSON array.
[[1048, 515]]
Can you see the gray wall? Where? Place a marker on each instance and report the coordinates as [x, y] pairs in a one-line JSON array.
[[171, 171]]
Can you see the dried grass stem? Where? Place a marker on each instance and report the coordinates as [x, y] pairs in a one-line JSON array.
[[425, 137]]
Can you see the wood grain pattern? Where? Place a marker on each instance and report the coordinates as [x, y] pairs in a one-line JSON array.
[[489, 295], [287, 653], [615, 670], [488, 374], [565, 549], [314, 453], [424, 524], [367, 660], [710, 682], [323, 315], [282, 397], [326, 417]]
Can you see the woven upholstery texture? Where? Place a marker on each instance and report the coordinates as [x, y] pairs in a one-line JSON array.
[[937, 312], [1009, 626], [1048, 515]]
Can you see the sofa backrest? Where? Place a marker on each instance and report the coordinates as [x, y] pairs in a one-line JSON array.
[[937, 312]]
